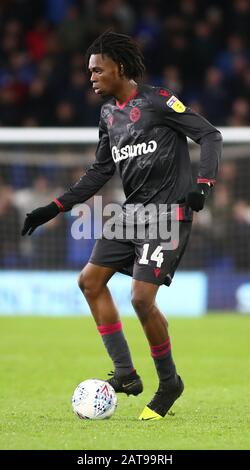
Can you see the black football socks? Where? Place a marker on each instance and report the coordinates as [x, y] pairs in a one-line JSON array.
[[117, 348]]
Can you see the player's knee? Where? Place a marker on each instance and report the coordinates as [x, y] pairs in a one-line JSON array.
[[81, 281], [141, 303], [87, 285]]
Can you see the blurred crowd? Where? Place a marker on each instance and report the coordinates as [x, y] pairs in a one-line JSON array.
[[219, 240], [200, 49], [221, 231]]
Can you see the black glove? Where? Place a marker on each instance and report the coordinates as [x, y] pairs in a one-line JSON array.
[[38, 217], [196, 198]]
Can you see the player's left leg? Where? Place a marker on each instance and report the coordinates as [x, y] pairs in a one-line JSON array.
[[155, 265], [156, 330]]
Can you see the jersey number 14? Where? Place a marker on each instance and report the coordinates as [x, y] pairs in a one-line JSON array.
[[157, 255]]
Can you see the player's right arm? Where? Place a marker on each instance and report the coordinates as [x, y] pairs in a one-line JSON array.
[[93, 179]]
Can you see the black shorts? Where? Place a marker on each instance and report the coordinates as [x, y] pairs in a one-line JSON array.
[[145, 260]]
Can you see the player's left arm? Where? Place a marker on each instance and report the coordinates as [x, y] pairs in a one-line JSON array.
[[184, 120]]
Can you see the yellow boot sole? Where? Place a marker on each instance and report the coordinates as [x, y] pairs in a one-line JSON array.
[[148, 414]]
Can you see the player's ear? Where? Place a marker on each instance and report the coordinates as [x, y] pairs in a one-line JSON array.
[[121, 69]]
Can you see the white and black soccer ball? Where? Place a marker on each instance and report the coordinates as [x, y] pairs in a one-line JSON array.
[[94, 399]]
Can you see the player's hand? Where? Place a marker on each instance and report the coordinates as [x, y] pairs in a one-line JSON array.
[[196, 198], [38, 217]]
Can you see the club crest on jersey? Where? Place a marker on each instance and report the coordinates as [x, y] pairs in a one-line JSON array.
[[129, 151], [135, 114], [176, 104]]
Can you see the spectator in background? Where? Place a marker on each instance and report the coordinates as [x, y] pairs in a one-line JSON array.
[[36, 40], [236, 48], [203, 48], [235, 83], [33, 252], [39, 193], [9, 226], [65, 115], [188, 9], [240, 17], [245, 84], [171, 78], [78, 250], [27, 11], [20, 71], [214, 18], [240, 113], [178, 48], [211, 244], [76, 93], [213, 96], [199, 252], [239, 235], [37, 104], [125, 15], [11, 39], [196, 105], [221, 209], [10, 113], [49, 246], [71, 31], [228, 175], [235, 176], [148, 28], [92, 108], [55, 10]]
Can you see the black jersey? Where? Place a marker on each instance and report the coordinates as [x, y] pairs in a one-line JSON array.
[[145, 139]]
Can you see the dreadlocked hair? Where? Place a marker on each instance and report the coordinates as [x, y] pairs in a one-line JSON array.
[[122, 50]]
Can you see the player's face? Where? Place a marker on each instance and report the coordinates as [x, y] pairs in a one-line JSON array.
[[105, 75]]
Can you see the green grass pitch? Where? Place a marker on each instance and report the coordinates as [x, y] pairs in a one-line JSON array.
[[43, 359]]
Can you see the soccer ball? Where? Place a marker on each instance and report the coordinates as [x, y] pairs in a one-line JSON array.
[[94, 399]]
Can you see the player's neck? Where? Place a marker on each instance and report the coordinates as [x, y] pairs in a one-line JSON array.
[[127, 90]]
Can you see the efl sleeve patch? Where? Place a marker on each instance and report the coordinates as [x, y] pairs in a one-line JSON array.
[[176, 104]]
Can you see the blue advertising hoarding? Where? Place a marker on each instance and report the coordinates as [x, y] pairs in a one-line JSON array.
[[229, 290], [57, 293]]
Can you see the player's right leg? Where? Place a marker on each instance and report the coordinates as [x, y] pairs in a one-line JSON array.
[[147, 279], [156, 330], [93, 283]]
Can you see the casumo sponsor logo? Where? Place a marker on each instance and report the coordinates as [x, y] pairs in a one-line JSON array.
[[130, 151]]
